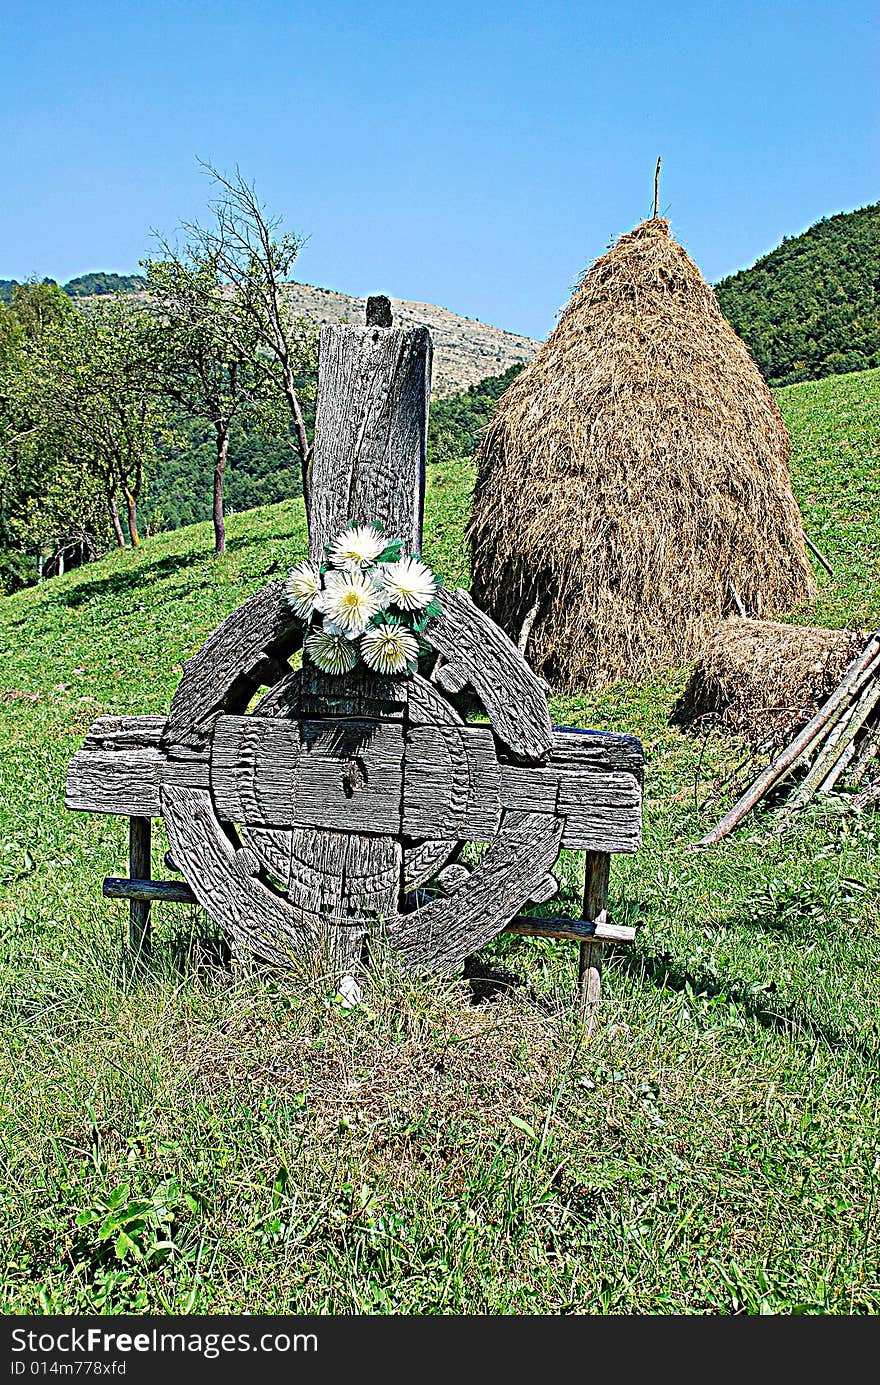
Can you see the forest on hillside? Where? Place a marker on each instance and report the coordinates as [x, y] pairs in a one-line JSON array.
[[132, 412], [125, 411], [84, 285], [811, 307]]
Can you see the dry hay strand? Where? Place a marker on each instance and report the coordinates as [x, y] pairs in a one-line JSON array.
[[634, 471], [763, 681]]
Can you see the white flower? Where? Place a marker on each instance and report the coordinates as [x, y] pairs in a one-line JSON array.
[[409, 583], [302, 589], [389, 648], [357, 547], [332, 652], [350, 600]]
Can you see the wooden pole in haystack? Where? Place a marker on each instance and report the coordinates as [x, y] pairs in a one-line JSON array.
[[633, 472], [657, 187]]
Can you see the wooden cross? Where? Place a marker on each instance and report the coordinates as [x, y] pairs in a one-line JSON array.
[[337, 806]]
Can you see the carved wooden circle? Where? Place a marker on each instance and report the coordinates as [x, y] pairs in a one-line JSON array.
[[333, 798]]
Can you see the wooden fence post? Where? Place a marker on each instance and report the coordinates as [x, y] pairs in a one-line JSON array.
[[597, 866], [139, 868]]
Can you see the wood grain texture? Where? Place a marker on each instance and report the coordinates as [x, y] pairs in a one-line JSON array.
[[545, 890], [140, 839], [597, 865], [225, 887], [426, 707], [441, 934], [606, 751], [272, 847], [574, 930], [254, 770], [371, 429], [159, 891], [601, 812], [124, 782], [577, 930], [593, 780], [513, 697], [126, 733], [283, 699], [358, 694], [451, 783], [436, 937], [422, 860], [226, 672], [350, 776]]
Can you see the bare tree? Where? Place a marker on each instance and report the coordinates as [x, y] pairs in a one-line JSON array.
[[253, 264]]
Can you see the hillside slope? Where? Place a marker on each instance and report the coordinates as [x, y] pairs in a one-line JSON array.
[[710, 1150], [812, 306], [465, 350]]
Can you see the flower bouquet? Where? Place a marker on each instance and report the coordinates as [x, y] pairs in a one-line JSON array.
[[369, 600]]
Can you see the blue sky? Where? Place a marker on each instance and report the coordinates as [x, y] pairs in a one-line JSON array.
[[475, 155]]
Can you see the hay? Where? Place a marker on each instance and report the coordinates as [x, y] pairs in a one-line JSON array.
[[634, 470], [763, 681]]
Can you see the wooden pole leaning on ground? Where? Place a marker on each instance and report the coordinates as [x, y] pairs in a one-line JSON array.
[[855, 678]]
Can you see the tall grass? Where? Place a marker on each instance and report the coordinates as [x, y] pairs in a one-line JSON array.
[[208, 1139]]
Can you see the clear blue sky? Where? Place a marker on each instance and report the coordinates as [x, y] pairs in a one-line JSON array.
[[474, 154]]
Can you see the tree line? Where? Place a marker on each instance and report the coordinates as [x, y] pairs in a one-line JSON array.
[[93, 395], [811, 307]]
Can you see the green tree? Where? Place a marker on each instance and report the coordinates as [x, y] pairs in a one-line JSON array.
[[38, 306], [211, 367], [88, 383]]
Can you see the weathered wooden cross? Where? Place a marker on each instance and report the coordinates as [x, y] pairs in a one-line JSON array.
[[337, 806]]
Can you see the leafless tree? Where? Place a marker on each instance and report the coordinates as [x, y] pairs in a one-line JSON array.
[[253, 264]]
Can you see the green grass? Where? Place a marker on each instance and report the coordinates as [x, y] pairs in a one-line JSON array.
[[209, 1141]]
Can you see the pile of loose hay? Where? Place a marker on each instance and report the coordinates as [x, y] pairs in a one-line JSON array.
[[764, 681], [634, 471]]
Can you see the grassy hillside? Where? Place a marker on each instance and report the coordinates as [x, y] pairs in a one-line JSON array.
[[208, 1140], [812, 306]]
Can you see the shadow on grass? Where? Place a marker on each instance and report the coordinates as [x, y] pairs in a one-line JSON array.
[[152, 570], [488, 981], [664, 971]]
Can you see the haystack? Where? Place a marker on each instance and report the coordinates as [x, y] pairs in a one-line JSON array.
[[763, 681], [634, 476]]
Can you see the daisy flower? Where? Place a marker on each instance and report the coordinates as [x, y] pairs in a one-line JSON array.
[[357, 547], [389, 648], [302, 589], [409, 584], [332, 652], [350, 600]]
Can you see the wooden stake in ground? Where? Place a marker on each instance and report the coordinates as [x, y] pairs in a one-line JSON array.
[[597, 865], [139, 864]]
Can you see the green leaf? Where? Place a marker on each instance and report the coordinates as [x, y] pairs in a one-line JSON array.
[[126, 1246], [524, 1126], [390, 553]]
